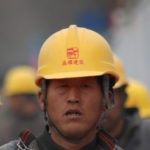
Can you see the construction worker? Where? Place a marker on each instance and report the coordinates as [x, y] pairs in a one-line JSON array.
[[132, 132], [138, 96], [21, 109], [76, 75]]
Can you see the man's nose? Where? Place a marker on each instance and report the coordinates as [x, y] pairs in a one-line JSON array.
[[74, 95]]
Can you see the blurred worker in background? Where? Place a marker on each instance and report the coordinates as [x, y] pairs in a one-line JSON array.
[[130, 130], [139, 97], [76, 75], [21, 108]]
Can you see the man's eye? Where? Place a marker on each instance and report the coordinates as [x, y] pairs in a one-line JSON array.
[[85, 85], [63, 85]]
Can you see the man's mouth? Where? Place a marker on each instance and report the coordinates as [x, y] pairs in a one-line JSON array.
[[73, 112]]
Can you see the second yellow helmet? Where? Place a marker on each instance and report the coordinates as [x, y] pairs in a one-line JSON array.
[[138, 96], [121, 72], [20, 80]]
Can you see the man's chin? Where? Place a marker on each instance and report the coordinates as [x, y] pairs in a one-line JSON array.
[[74, 133], [75, 136]]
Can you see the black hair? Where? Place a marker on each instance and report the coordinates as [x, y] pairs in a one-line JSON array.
[[111, 82]]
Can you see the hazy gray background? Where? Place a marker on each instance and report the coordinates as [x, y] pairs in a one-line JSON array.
[[25, 24]]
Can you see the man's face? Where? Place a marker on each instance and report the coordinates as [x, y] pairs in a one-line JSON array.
[[75, 105]]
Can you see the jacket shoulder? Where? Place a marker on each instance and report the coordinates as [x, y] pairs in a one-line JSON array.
[[18, 145], [25, 141], [108, 141], [117, 148], [10, 146]]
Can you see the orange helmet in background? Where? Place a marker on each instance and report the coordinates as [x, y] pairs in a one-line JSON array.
[[138, 96]]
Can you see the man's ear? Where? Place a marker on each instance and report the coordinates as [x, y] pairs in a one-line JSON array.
[[41, 99], [111, 98], [111, 95]]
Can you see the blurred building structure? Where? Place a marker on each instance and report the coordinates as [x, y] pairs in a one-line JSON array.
[[131, 38]]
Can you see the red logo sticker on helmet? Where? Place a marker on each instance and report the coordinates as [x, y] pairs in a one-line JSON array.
[[73, 57], [72, 53]]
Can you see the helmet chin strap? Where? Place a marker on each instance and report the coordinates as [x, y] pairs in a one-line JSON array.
[[108, 105], [106, 90]]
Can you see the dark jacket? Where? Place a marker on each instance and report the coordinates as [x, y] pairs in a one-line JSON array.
[[136, 133], [44, 142]]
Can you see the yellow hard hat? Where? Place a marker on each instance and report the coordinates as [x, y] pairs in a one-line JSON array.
[[121, 71], [138, 96], [20, 80], [75, 52]]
